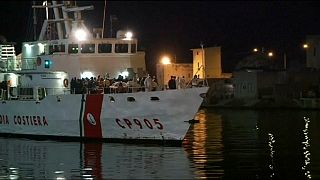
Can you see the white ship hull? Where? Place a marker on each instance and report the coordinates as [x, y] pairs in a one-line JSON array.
[[96, 116], [46, 92]]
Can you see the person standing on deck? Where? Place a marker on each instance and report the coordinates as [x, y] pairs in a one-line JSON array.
[[148, 83], [194, 81], [182, 83], [172, 83]]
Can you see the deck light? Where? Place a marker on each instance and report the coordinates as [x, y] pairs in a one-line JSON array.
[[128, 36], [125, 73], [87, 74], [81, 35]]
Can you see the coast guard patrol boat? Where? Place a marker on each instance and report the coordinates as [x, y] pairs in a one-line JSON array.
[[37, 100]]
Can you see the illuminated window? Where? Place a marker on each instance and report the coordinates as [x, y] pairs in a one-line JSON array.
[[73, 48], [87, 48]]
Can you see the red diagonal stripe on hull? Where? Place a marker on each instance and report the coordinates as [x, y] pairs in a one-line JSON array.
[[91, 117]]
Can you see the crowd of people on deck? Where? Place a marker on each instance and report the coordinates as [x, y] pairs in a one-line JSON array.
[[180, 82], [99, 84]]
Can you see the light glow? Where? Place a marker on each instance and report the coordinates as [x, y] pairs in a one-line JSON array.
[[165, 60], [28, 49], [270, 54], [128, 36], [87, 74], [305, 46], [124, 74], [81, 35], [41, 48]]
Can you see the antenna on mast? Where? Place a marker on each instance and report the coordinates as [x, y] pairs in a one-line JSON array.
[[104, 17], [34, 23]]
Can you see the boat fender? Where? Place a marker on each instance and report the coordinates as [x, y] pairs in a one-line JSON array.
[[65, 82], [38, 61]]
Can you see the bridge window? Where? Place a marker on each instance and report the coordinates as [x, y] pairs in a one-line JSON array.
[[87, 48], [104, 48], [121, 48], [73, 48], [56, 48]]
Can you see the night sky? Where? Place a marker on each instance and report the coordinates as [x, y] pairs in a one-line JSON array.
[[175, 27]]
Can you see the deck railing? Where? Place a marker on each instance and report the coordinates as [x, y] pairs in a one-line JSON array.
[[40, 93]]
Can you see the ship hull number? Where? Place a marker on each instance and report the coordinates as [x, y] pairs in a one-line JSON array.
[[136, 123]]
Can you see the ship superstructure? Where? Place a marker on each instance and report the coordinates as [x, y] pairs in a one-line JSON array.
[[65, 36]]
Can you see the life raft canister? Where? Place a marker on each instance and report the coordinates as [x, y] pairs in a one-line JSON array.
[[65, 82], [38, 61]]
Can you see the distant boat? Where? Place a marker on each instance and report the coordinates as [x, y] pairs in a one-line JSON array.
[[46, 91]]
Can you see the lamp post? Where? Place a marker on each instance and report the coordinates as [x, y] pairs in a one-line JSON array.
[[202, 61], [165, 60], [308, 60]]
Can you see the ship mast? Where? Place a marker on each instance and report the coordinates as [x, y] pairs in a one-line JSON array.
[[76, 23], [57, 16], [34, 23], [65, 15], [104, 16]]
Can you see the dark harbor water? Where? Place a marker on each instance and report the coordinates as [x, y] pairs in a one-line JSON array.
[[226, 144]]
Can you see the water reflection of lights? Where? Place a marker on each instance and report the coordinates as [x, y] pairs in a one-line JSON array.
[[306, 146], [87, 176], [200, 141], [202, 132], [13, 173], [59, 175], [271, 142]]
